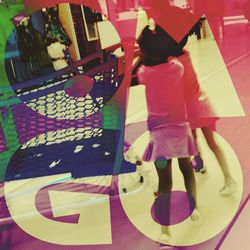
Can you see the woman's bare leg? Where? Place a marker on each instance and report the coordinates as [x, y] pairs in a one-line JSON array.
[[219, 155], [217, 152]]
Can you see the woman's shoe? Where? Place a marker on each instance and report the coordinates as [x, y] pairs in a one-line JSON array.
[[229, 187], [195, 217], [165, 237]]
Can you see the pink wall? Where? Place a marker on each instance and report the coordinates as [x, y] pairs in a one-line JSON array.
[[234, 7]]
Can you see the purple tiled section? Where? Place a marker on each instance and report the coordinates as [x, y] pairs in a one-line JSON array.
[[30, 124], [2, 141]]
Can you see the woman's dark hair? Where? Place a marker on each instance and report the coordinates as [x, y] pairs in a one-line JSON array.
[[175, 48], [158, 45], [162, 43], [155, 45]]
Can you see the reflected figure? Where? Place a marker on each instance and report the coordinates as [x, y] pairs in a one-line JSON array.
[[57, 51], [215, 11], [247, 10], [29, 48], [56, 39]]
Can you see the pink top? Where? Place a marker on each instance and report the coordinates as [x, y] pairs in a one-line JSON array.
[[170, 134], [198, 105], [164, 91], [191, 84]]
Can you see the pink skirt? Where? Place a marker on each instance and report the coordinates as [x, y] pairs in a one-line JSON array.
[[169, 141]]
